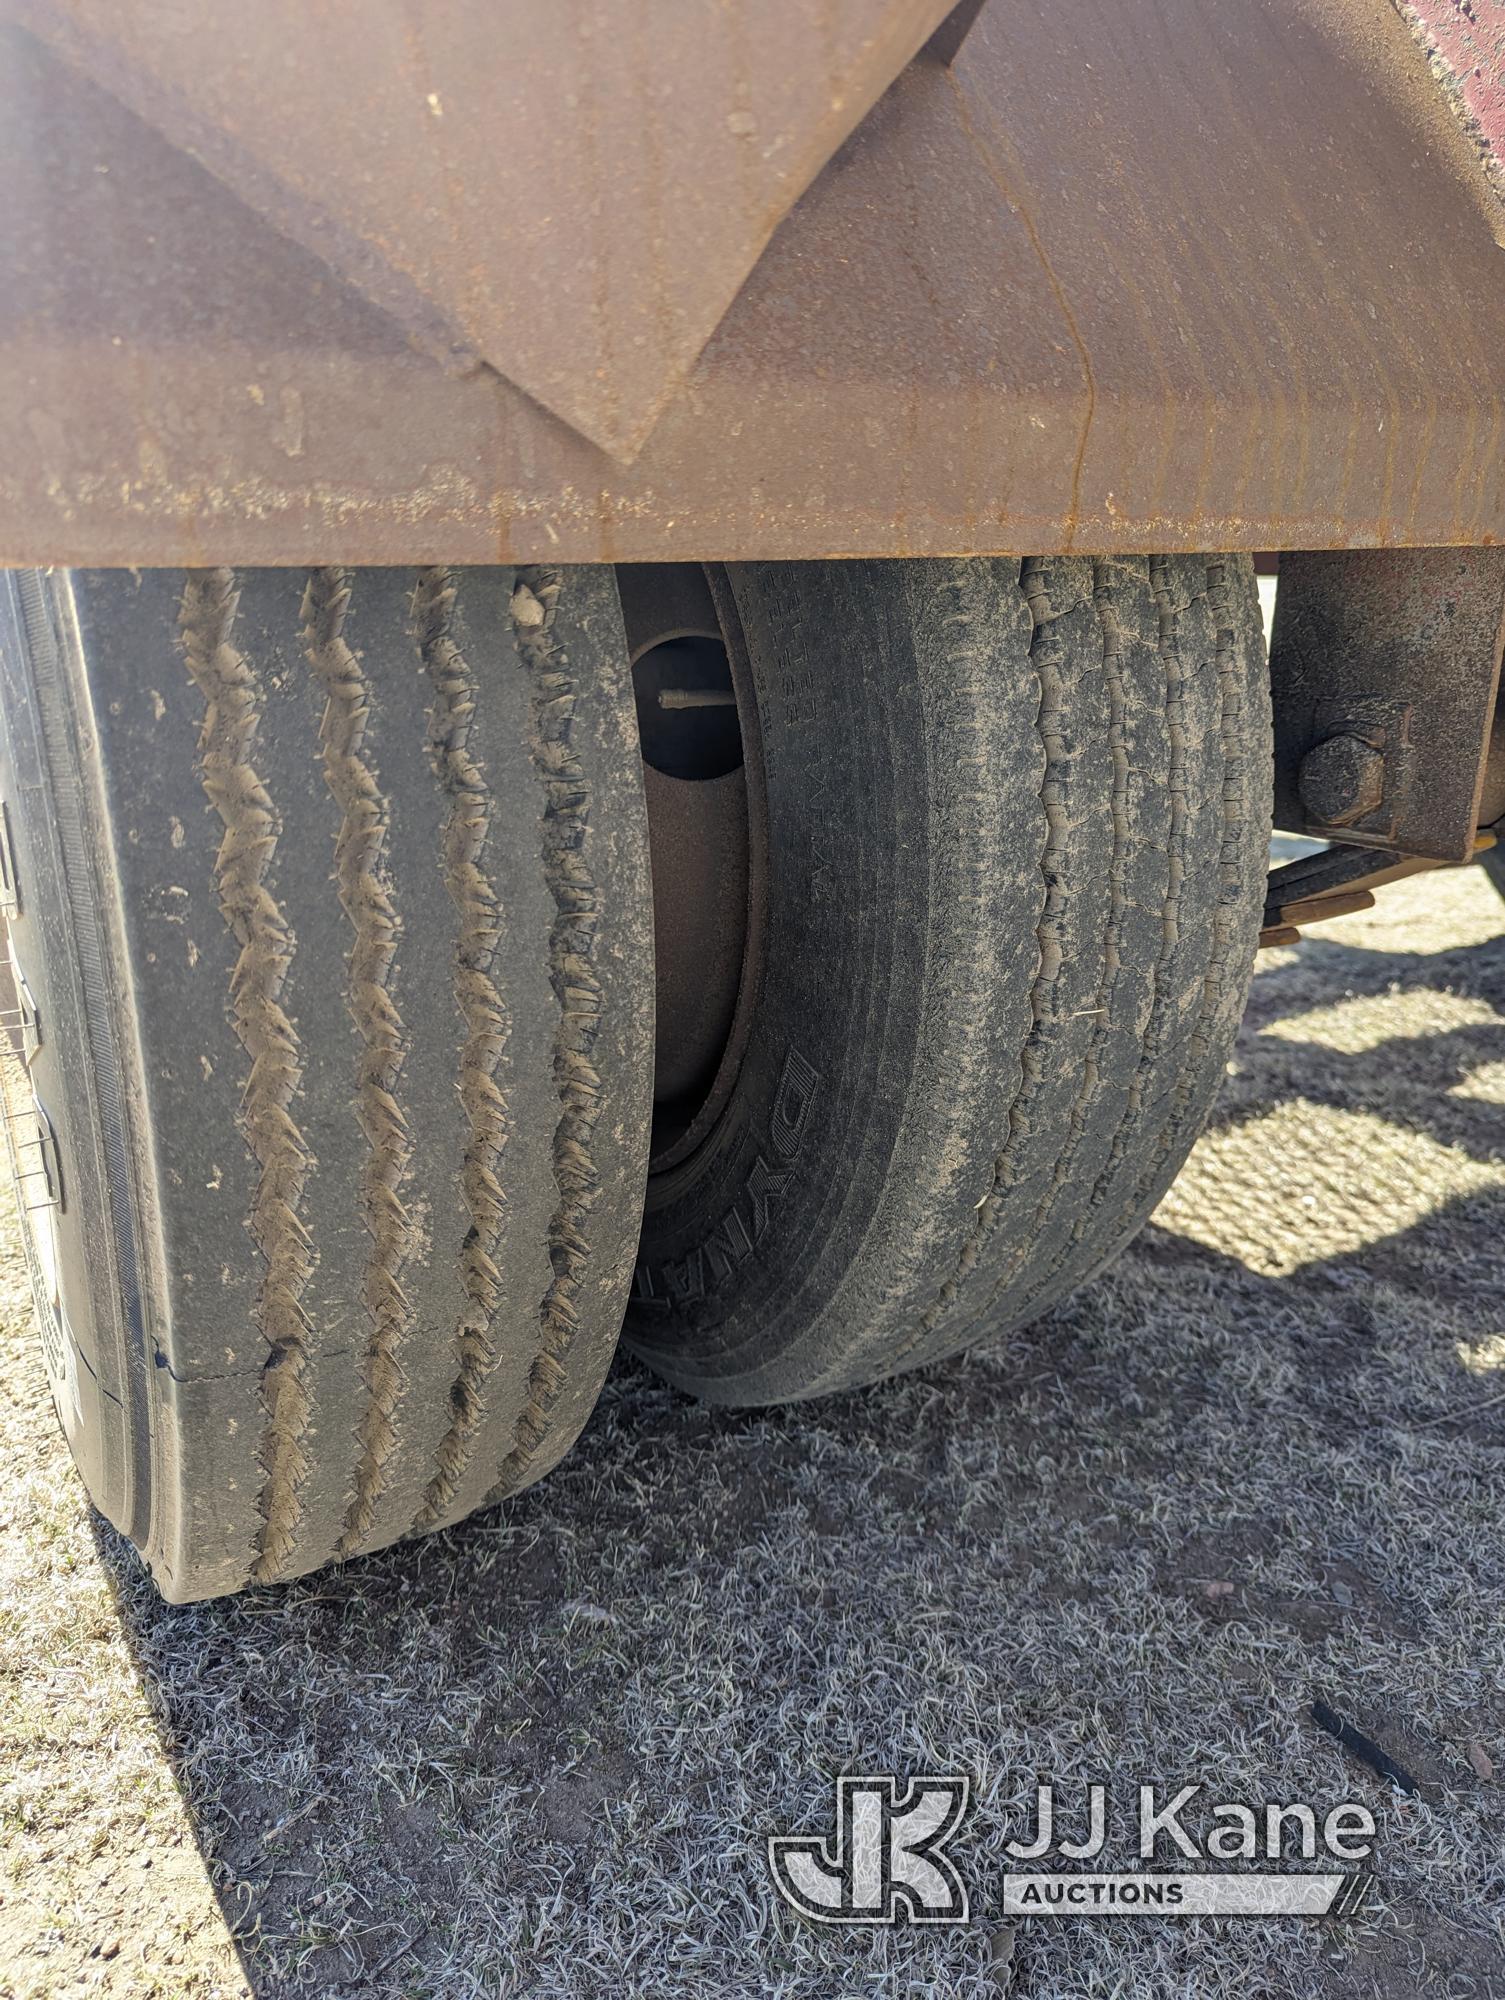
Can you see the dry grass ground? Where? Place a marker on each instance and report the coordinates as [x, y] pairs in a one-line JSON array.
[[1262, 1458]]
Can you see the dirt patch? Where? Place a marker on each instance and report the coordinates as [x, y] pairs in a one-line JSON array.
[[1261, 1460]]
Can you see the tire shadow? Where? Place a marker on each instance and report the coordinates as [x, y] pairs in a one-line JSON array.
[[539, 1753], [1408, 1080]]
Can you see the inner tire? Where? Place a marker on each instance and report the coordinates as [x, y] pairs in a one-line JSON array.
[[334, 926], [1017, 835]]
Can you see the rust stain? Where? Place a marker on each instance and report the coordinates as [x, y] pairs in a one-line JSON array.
[[1280, 343]]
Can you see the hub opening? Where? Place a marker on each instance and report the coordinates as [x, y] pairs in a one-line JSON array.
[[695, 718]]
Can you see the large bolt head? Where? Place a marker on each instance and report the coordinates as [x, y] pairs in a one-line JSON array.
[[1342, 780]]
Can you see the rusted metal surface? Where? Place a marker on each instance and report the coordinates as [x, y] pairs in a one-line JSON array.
[[570, 191], [1465, 42], [1125, 274], [1333, 883], [1385, 667], [1338, 881], [1342, 777], [1286, 927]]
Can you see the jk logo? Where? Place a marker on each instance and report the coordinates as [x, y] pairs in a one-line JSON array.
[[888, 1856]]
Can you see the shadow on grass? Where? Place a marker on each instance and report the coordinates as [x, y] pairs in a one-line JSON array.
[[538, 1754], [1409, 1079]]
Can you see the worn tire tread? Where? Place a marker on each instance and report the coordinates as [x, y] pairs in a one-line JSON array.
[[379, 848]]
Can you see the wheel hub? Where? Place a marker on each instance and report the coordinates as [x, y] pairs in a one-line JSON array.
[[695, 724]]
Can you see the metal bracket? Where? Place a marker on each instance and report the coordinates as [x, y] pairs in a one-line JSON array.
[[1335, 883], [1385, 666]]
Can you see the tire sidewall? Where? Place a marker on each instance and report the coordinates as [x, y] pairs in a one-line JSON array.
[[763, 1250]]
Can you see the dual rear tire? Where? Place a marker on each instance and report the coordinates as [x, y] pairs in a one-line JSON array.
[[1017, 831], [331, 1083]]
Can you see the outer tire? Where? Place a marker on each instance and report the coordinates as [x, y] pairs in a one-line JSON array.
[[1018, 821], [334, 905]]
